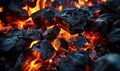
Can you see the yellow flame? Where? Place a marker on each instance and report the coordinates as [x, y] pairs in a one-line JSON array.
[[33, 62], [1, 9], [34, 42]]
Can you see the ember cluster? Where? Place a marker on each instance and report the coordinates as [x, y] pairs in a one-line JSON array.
[[59, 35]]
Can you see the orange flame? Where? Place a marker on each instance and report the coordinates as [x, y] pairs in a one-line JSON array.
[[33, 63], [1, 26], [20, 24], [60, 8], [63, 34], [40, 4], [1, 9], [34, 42]]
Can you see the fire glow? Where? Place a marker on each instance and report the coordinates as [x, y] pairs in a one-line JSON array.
[[34, 61]]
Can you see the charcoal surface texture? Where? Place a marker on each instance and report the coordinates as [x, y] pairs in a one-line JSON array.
[[7, 43], [114, 40], [45, 48], [80, 42], [76, 61], [112, 6], [109, 62], [17, 11], [74, 20], [104, 22], [116, 24], [44, 17], [51, 33]]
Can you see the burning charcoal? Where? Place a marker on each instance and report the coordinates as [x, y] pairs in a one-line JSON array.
[[45, 48], [96, 10], [112, 6], [61, 42], [76, 61], [51, 33], [44, 16], [116, 24], [17, 11], [109, 62], [74, 20], [7, 43], [104, 22], [80, 42]]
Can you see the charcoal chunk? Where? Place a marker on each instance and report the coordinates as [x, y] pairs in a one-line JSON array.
[[104, 22], [16, 32], [109, 62], [51, 33], [7, 43], [17, 11], [114, 36], [45, 48], [32, 34], [116, 24], [80, 42], [76, 61], [26, 34], [44, 16], [112, 6], [114, 40], [74, 20]]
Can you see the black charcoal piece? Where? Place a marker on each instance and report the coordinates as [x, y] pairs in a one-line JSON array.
[[32, 34], [19, 61], [44, 16], [109, 62], [74, 20], [80, 41], [51, 33], [17, 11], [75, 61], [116, 24], [114, 36], [95, 8], [104, 22], [112, 6], [45, 48], [7, 43], [114, 40], [16, 32]]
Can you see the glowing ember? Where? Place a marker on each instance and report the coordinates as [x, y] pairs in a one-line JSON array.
[[60, 8], [34, 42], [1, 9], [1, 26]]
